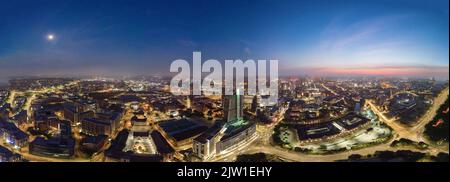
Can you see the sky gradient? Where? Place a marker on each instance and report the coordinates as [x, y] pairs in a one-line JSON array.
[[111, 37]]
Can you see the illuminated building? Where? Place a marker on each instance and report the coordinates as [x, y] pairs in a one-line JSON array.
[[232, 107], [8, 156], [94, 126], [227, 136], [101, 123], [60, 146], [181, 132], [71, 113], [12, 135]]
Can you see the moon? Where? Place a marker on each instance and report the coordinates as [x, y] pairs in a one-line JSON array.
[[50, 37]]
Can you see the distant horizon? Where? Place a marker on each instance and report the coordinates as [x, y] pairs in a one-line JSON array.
[[5, 80]]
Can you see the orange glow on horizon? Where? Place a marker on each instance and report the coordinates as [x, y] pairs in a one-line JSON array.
[[385, 71]]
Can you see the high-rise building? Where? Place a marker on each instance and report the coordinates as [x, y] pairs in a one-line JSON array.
[[254, 106], [224, 137], [232, 107]]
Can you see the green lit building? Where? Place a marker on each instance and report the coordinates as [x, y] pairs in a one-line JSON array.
[[229, 135]]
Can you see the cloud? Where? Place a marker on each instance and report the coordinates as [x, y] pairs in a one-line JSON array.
[[376, 41], [341, 35]]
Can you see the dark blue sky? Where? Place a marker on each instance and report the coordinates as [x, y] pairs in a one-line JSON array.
[[143, 37]]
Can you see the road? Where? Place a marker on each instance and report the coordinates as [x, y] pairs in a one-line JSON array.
[[293, 156], [24, 152], [402, 132], [330, 90], [414, 133], [419, 128]]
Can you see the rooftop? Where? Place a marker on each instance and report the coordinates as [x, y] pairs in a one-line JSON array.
[[182, 129]]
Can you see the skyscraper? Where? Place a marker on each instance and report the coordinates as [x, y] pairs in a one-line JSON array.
[[254, 107], [232, 107], [232, 134]]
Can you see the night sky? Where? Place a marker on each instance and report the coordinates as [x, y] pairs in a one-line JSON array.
[[110, 37]]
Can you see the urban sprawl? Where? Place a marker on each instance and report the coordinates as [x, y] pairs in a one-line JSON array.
[[138, 119]]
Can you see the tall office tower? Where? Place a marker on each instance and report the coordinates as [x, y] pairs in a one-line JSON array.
[[254, 107], [232, 107]]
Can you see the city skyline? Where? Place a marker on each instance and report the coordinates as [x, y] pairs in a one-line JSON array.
[[215, 89], [119, 38]]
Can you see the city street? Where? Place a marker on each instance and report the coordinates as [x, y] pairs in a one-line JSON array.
[[414, 133]]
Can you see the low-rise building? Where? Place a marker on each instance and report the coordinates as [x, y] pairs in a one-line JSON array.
[[53, 147], [8, 156], [12, 135], [93, 143], [59, 146], [94, 126], [101, 123]]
